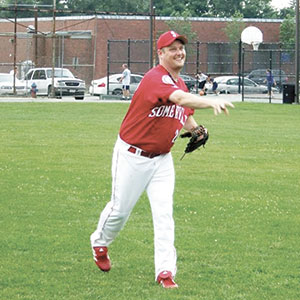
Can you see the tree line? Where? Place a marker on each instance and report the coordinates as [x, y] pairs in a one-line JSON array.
[[195, 8], [181, 11]]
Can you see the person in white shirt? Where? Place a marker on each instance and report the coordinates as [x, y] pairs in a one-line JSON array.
[[201, 78], [125, 79]]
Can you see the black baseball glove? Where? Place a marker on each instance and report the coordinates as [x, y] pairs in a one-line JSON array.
[[198, 137]]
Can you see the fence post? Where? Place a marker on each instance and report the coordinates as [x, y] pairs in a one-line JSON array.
[[280, 78], [15, 50], [240, 64], [270, 59], [271, 63], [297, 58], [243, 62], [108, 63], [197, 63], [128, 53]]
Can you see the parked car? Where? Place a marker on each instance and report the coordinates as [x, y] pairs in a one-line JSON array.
[[65, 83], [259, 76], [230, 85], [99, 86], [189, 81], [7, 85]]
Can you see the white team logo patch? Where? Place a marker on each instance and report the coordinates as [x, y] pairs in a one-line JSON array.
[[167, 80], [173, 33]]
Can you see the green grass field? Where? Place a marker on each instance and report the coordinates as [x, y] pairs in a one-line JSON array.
[[236, 206]]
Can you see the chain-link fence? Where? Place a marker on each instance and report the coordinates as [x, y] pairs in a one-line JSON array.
[[213, 58], [239, 66], [217, 59], [76, 50], [73, 50], [255, 66]]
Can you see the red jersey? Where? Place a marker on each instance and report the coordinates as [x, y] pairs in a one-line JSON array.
[[153, 122]]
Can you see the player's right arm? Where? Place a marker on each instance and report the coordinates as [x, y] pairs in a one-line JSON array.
[[182, 98]]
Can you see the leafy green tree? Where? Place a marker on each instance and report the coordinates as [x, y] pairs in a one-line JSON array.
[[170, 7], [288, 11], [129, 6], [25, 8], [217, 8], [181, 24], [209, 8], [84, 6], [288, 32], [235, 27], [249, 8]]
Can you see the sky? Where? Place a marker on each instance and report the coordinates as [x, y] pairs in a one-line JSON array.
[[280, 3]]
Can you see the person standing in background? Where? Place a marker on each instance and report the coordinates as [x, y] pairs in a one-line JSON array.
[[125, 80], [270, 81]]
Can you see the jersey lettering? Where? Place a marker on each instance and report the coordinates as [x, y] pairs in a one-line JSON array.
[[170, 111]]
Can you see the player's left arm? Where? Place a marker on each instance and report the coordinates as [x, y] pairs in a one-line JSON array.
[[190, 124]]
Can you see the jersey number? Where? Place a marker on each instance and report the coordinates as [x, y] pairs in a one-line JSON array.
[[175, 137]]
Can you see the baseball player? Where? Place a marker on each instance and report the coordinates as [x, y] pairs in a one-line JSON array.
[[160, 108]]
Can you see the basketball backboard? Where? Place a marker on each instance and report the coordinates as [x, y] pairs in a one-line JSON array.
[[252, 35]]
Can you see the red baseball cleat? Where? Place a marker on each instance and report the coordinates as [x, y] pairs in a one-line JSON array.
[[165, 278], [101, 258]]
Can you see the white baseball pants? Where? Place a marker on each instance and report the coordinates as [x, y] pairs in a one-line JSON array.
[[131, 175]]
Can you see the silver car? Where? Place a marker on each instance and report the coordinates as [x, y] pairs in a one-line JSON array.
[[230, 85], [99, 86], [7, 85]]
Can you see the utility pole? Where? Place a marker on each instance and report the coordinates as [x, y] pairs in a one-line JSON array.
[[15, 49], [53, 49], [154, 38], [35, 35], [297, 60], [151, 35]]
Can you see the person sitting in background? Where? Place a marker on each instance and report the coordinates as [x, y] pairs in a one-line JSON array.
[[209, 79]]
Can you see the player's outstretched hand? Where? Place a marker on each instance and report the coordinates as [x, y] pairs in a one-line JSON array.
[[221, 105]]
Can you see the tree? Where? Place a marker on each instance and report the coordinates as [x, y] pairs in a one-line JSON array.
[[181, 24], [235, 27], [84, 6], [257, 9], [288, 32], [288, 11], [209, 8], [168, 7], [129, 6]]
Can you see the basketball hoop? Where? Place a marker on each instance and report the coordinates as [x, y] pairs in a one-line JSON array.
[[255, 45], [252, 36]]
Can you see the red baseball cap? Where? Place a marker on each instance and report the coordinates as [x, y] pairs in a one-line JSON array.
[[167, 38]]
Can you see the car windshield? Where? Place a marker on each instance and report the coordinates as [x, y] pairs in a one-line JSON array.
[[60, 73], [6, 77]]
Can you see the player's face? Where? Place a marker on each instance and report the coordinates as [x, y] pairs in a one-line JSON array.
[[173, 56]]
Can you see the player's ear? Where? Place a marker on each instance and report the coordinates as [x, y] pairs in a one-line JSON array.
[[160, 51]]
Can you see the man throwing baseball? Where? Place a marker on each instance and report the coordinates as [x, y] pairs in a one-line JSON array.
[[142, 161]]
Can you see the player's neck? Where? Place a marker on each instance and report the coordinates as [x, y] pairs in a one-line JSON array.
[[174, 73]]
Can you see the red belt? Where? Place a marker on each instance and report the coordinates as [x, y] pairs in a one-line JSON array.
[[142, 153]]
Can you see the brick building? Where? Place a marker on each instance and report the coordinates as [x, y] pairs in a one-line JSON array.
[[82, 43]]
